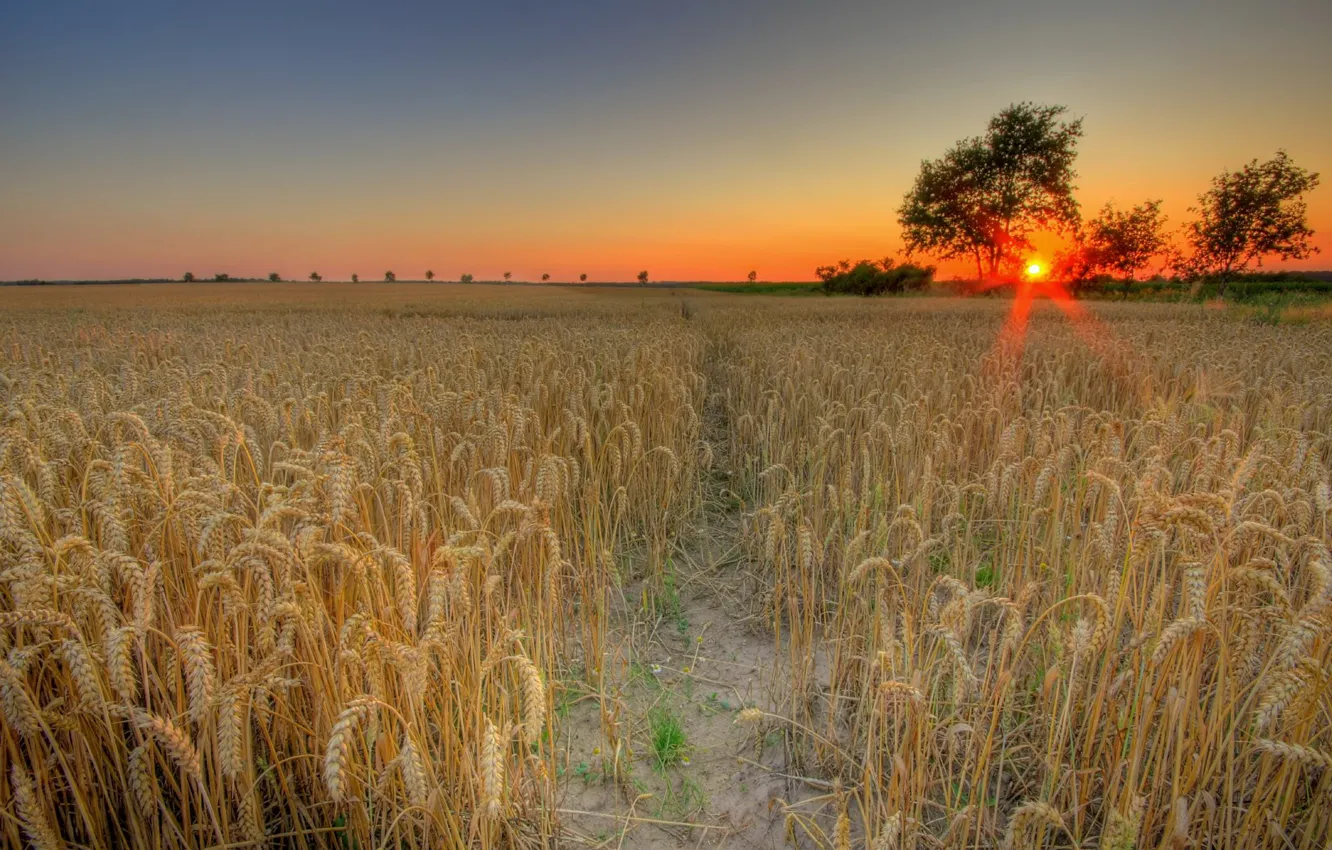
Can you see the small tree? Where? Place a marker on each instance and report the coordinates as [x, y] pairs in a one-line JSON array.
[[389, 277], [315, 277], [753, 276], [986, 196], [642, 278], [188, 277], [221, 277], [430, 274], [467, 278], [1249, 214], [582, 278], [1119, 241], [545, 277], [356, 278], [274, 277], [507, 275]]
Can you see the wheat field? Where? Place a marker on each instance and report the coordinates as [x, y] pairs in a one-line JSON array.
[[390, 569]]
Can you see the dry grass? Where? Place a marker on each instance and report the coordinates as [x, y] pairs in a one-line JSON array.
[[307, 575]]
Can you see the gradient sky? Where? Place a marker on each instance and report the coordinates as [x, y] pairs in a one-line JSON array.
[[697, 140]]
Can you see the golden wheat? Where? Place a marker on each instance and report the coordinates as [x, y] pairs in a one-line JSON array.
[[315, 577]]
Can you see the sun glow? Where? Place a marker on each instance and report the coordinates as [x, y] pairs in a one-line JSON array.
[[1034, 270]]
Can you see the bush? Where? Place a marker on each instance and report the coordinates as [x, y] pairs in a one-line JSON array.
[[870, 278]]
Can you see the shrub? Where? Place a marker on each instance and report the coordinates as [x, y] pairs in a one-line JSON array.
[[870, 278]]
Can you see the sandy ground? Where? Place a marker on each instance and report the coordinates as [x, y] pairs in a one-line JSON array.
[[704, 664]]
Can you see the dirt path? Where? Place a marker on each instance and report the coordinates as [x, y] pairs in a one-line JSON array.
[[692, 652]]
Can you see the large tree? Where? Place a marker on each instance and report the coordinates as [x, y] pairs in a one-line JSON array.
[[1256, 212], [986, 196]]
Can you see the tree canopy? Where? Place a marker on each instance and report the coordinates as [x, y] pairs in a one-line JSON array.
[[986, 196]]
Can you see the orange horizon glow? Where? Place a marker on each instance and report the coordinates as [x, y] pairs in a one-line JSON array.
[[784, 245]]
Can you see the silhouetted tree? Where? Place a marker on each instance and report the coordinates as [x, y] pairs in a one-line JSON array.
[[221, 277], [356, 278], [316, 277], [389, 277], [274, 277], [1127, 241], [188, 277], [583, 277], [1115, 241], [987, 194], [1249, 214], [545, 277], [753, 276], [467, 278], [642, 278], [507, 275], [430, 275]]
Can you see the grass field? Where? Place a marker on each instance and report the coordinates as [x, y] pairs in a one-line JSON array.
[[437, 566]]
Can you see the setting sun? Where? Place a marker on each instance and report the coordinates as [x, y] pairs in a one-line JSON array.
[[1034, 270]]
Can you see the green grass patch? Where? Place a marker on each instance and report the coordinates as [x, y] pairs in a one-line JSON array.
[[764, 288], [669, 743]]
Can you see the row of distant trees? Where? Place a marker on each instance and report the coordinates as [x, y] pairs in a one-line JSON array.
[[986, 197], [390, 277]]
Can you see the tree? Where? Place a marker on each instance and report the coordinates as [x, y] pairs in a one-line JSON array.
[[583, 277], [430, 274], [221, 277], [274, 277], [389, 277], [316, 277], [642, 278], [988, 194], [1256, 212], [753, 276], [1115, 241], [467, 278], [188, 277], [507, 275], [356, 278], [545, 277]]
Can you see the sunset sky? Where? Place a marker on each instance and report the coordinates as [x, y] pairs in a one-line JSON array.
[[697, 140]]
